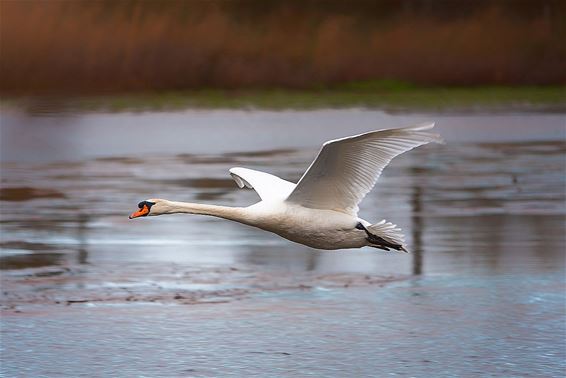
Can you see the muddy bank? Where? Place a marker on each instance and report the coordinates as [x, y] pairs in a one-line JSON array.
[[159, 283]]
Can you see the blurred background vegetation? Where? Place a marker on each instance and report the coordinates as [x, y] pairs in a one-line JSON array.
[[349, 47]]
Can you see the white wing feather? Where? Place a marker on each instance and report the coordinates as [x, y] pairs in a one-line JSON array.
[[346, 169], [267, 186]]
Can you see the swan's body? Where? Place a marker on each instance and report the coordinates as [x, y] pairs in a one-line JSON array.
[[320, 211]]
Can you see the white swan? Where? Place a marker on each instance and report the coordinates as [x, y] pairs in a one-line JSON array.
[[320, 211]]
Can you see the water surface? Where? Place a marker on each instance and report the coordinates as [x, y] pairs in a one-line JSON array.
[[85, 289]]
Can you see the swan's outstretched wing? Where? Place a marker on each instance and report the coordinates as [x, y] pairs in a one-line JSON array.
[[266, 185], [346, 169]]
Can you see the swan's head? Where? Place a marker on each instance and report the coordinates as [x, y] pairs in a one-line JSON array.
[[149, 207]]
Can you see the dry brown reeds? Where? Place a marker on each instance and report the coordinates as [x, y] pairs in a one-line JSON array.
[[100, 46]]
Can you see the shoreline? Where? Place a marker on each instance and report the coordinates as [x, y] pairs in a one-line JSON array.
[[392, 97]]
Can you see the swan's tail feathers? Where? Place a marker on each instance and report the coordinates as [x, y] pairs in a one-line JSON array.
[[387, 236]]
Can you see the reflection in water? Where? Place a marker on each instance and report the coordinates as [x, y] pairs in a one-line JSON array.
[[31, 260], [21, 255], [26, 193], [82, 253], [417, 228]]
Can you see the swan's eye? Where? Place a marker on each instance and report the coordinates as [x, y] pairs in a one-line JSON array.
[[145, 203]]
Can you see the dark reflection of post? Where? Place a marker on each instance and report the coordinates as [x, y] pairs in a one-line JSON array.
[[417, 225], [81, 238]]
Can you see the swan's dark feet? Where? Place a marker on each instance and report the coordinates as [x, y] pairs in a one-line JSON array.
[[379, 242]]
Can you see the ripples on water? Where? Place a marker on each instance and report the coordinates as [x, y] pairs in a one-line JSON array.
[[484, 215]]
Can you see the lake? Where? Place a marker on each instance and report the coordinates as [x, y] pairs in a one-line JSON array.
[[87, 292]]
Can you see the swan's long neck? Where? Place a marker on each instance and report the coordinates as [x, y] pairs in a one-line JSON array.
[[238, 214]]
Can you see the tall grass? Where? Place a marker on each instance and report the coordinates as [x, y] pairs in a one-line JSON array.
[[100, 46]]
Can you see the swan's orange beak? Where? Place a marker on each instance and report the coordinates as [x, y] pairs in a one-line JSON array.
[[140, 213]]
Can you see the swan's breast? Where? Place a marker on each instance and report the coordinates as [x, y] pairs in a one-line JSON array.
[[323, 229]]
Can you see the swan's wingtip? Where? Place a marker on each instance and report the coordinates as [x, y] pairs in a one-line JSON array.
[[423, 126], [434, 137]]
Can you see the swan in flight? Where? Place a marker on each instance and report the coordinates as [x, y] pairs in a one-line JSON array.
[[320, 211]]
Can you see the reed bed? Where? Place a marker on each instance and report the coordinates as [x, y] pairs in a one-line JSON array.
[[103, 46]]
